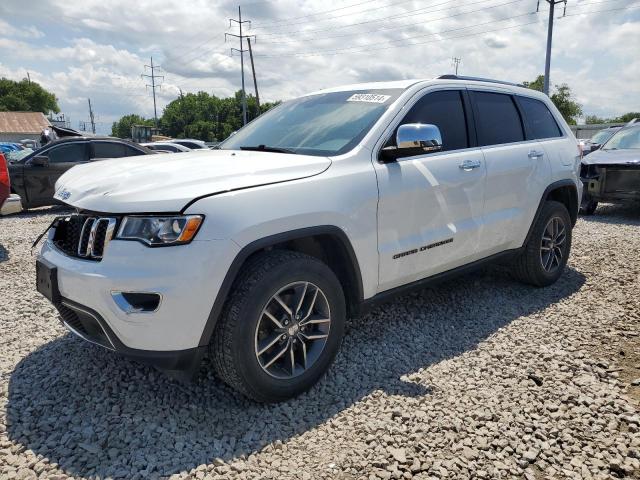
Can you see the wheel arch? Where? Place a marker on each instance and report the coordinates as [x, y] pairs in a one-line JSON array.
[[563, 191], [328, 243]]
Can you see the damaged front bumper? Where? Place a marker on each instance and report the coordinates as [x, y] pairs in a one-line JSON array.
[[611, 182]]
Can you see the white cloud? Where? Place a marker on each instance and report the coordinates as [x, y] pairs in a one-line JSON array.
[[100, 47]]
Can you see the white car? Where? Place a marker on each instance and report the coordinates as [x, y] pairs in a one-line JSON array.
[[190, 143], [315, 211], [166, 147]]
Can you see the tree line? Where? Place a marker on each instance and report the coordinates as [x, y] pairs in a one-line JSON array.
[[197, 115]]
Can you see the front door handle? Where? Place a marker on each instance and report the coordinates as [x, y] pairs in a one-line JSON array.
[[468, 165], [533, 154]]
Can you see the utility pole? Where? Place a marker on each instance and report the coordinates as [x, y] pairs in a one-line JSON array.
[[255, 82], [28, 78], [93, 123], [153, 85], [547, 62], [240, 37], [455, 61]]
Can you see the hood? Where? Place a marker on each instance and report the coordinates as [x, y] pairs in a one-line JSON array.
[[613, 157], [167, 182]]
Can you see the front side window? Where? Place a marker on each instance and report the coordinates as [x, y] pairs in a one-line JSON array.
[[326, 124], [445, 110], [498, 120], [70, 153], [540, 119]]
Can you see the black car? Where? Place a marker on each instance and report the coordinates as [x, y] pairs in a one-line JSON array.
[[612, 173], [34, 177]]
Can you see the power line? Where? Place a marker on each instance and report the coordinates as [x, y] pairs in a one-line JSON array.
[[153, 77], [407, 13], [367, 47], [610, 10], [294, 20], [393, 27]]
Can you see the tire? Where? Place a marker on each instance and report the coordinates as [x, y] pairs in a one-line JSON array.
[[531, 265], [244, 329], [588, 205]]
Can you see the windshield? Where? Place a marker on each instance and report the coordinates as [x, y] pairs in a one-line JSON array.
[[601, 136], [627, 138], [325, 125]]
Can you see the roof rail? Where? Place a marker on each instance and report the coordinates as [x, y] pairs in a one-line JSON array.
[[477, 79]]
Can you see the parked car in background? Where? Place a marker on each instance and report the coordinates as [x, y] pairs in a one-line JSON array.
[[315, 211], [612, 173], [190, 143], [598, 138], [166, 147], [6, 147], [34, 176], [9, 202]]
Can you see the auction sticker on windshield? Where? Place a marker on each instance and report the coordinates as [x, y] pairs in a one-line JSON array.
[[368, 97]]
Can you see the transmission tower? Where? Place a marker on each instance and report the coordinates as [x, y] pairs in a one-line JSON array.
[[455, 62], [91, 119], [153, 86], [241, 38]]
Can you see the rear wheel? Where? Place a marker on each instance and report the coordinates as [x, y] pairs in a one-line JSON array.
[[281, 328], [546, 252]]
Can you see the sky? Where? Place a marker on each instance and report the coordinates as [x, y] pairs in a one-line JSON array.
[[98, 49]]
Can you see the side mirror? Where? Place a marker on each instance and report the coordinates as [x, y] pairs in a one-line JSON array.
[[414, 139], [40, 161]]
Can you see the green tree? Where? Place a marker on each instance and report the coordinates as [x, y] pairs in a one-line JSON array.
[[562, 98], [26, 96], [207, 117], [593, 119], [122, 128], [627, 117]]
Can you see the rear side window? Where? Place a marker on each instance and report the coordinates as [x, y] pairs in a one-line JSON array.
[[498, 120], [445, 110], [109, 150], [70, 153], [539, 119], [129, 151]]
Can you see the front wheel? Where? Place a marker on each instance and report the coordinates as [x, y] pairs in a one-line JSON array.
[[588, 205], [281, 328], [546, 252]]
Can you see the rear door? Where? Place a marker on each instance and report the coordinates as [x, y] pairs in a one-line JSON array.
[[430, 207], [517, 170], [40, 180]]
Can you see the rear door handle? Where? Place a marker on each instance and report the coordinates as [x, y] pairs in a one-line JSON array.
[[468, 165], [535, 154]]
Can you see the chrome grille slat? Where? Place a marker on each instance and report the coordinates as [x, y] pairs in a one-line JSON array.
[[91, 243]]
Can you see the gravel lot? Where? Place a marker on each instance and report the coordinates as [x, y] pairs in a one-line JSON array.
[[479, 378]]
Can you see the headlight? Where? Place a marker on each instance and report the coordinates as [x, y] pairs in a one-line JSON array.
[[160, 231]]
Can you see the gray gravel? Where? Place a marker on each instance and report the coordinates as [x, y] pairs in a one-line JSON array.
[[479, 378]]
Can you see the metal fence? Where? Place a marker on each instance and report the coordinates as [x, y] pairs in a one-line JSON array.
[[587, 131]]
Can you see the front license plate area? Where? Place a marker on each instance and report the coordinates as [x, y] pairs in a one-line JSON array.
[[47, 280]]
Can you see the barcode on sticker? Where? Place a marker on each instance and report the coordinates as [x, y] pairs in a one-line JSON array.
[[368, 97]]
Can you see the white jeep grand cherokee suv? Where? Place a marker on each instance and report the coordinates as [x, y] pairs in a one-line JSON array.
[[257, 252]]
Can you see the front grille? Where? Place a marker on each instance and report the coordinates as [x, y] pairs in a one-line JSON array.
[[84, 236]]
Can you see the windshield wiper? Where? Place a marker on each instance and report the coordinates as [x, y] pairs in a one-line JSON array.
[[265, 148]]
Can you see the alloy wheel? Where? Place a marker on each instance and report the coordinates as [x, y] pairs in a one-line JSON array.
[[292, 330], [553, 244]]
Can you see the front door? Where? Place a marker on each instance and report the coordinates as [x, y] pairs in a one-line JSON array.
[[40, 180], [430, 206]]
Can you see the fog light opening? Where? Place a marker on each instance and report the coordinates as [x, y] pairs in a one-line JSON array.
[[137, 302]]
